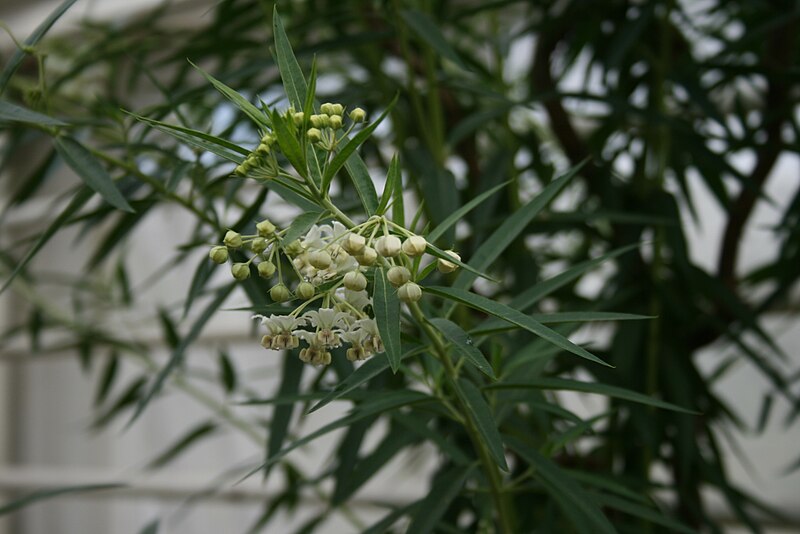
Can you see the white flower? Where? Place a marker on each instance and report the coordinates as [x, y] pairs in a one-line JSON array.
[[281, 335], [373, 337], [357, 299], [327, 318]]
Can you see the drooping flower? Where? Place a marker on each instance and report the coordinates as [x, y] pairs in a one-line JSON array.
[[281, 331]]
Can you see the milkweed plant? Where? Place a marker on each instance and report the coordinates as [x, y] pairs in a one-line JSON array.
[[374, 298]]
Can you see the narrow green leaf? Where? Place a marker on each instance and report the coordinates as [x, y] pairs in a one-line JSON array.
[[416, 425], [648, 513], [387, 315], [429, 32], [204, 141], [301, 225], [91, 171], [201, 276], [81, 197], [461, 212], [435, 251], [151, 528], [177, 355], [481, 414], [32, 40], [577, 505], [362, 181], [591, 387], [464, 344], [388, 191], [562, 317], [369, 370], [384, 524], [352, 145], [293, 80], [287, 140], [432, 508], [193, 435], [44, 494], [308, 105], [227, 373], [382, 404], [513, 316], [511, 228], [282, 415], [255, 114], [398, 204], [14, 113], [291, 196], [107, 377]]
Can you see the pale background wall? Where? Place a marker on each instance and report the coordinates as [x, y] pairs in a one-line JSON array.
[[45, 398]]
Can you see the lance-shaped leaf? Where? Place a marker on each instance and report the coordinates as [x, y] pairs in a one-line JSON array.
[[301, 225], [461, 212], [50, 493], [513, 316], [293, 80], [362, 181], [290, 145], [255, 114], [387, 315], [91, 171], [194, 434], [392, 176], [13, 113], [429, 32], [446, 488], [481, 415], [463, 344]]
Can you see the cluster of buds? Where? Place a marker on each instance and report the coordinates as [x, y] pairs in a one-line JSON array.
[[321, 127], [330, 265], [261, 163]]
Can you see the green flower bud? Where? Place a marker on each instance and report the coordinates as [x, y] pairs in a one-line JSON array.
[[265, 228], [409, 292], [268, 139], [414, 245], [336, 122], [298, 118], [319, 121], [314, 135], [358, 115], [445, 266], [355, 281], [388, 246], [279, 293], [354, 243], [398, 275], [218, 254], [258, 245], [294, 248], [336, 109], [304, 290], [233, 239], [367, 257], [263, 149], [266, 269], [240, 271], [326, 108], [320, 259]]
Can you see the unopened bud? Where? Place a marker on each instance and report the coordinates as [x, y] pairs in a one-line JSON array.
[[294, 248], [336, 109], [326, 108], [414, 245], [409, 292], [218, 254], [448, 266], [335, 122], [279, 293], [258, 245], [314, 135], [266, 269], [304, 290], [355, 281], [240, 271], [358, 115], [398, 275], [354, 243], [298, 118], [233, 239], [388, 246], [265, 228], [320, 259], [367, 257]]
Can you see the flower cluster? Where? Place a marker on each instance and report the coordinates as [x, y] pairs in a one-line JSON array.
[[330, 265], [321, 127]]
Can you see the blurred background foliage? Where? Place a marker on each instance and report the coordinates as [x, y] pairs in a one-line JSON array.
[[658, 97]]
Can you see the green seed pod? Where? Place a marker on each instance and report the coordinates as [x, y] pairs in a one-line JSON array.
[[414, 245], [279, 293], [266, 269], [218, 254], [258, 245], [265, 228], [409, 292], [233, 239], [240, 271], [355, 281], [398, 275], [305, 290]]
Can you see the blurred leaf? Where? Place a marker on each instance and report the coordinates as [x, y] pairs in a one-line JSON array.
[[291, 376], [478, 410], [14, 113], [427, 30], [301, 225], [45, 494], [107, 377], [192, 436], [446, 487], [227, 372], [461, 212], [463, 344], [387, 315]]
